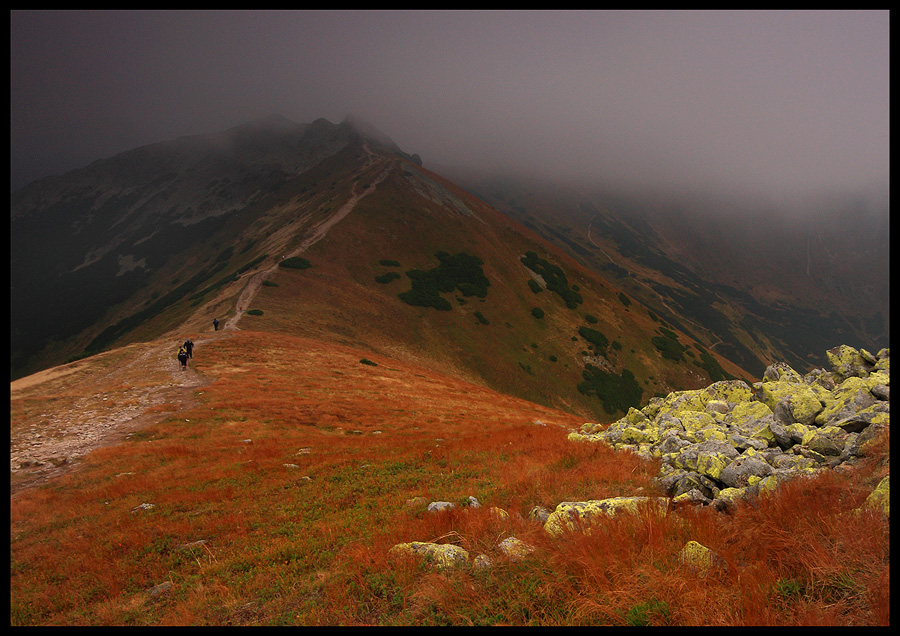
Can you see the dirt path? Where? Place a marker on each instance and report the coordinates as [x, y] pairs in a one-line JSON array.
[[61, 414], [313, 236]]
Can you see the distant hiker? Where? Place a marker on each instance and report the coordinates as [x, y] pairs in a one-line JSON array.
[[182, 358], [216, 324], [189, 347]]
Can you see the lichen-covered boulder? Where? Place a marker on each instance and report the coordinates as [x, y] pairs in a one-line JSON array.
[[575, 515], [848, 362], [828, 440], [707, 458], [515, 549], [737, 474], [441, 555], [802, 405], [726, 391], [850, 397], [880, 499], [440, 506], [699, 558], [745, 412]]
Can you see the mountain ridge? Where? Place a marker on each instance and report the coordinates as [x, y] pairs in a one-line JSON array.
[[177, 272]]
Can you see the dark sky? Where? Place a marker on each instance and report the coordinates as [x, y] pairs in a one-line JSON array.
[[781, 102]]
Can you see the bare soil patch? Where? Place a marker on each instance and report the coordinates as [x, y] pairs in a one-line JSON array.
[[59, 415]]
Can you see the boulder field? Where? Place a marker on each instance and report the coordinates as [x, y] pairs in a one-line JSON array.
[[731, 439], [722, 443]]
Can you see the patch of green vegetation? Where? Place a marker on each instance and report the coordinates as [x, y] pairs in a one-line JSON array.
[[481, 318], [625, 300], [555, 278], [537, 312], [459, 271], [647, 613], [268, 283], [389, 263], [711, 366], [386, 278], [535, 286], [617, 392], [594, 337], [254, 312], [295, 262], [369, 362], [789, 588], [591, 319], [668, 345]]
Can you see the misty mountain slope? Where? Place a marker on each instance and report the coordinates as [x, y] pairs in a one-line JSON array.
[[418, 268], [742, 278], [507, 335], [92, 238]]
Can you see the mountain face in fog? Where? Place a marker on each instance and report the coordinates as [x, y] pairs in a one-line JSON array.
[[398, 260], [90, 238], [132, 246], [784, 279]]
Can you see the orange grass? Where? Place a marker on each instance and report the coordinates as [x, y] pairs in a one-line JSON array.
[[295, 470]]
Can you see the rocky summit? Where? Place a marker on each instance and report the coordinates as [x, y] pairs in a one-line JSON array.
[[730, 440]]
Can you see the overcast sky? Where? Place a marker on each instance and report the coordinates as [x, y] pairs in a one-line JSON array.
[[780, 102]]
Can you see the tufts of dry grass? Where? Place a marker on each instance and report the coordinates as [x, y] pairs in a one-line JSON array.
[[277, 496]]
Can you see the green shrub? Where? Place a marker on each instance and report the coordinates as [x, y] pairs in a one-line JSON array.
[[592, 319], [369, 362], [617, 392], [625, 300], [456, 272], [555, 278], [268, 283], [481, 318], [295, 262], [254, 312], [537, 312], [594, 337], [386, 278], [669, 346], [535, 286], [389, 263]]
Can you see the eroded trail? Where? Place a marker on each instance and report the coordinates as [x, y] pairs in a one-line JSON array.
[[62, 414], [313, 236]]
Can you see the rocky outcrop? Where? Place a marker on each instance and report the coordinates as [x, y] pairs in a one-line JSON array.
[[721, 443]]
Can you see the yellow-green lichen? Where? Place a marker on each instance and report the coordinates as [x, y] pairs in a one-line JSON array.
[[695, 421], [696, 556], [442, 555], [880, 499], [748, 412], [573, 515]]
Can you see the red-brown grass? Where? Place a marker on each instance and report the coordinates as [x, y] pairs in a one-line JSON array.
[[296, 477]]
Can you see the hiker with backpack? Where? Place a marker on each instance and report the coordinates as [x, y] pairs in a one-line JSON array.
[[216, 324], [189, 347], [182, 357]]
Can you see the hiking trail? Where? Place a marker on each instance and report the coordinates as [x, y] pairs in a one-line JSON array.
[[82, 407], [313, 236]]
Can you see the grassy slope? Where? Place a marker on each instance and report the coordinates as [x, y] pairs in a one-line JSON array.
[[539, 359], [309, 545]]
